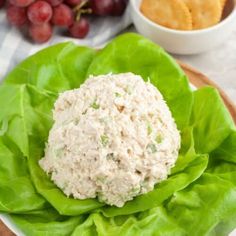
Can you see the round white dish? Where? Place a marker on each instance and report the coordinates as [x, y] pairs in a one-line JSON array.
[[183, 42]]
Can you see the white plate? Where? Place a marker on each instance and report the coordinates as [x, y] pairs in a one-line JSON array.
[[6, 219]]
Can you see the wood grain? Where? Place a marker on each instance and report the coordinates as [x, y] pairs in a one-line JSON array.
[[4, 231], [197, 79]]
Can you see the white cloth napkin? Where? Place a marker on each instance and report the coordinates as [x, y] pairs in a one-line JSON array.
[[14, 47]]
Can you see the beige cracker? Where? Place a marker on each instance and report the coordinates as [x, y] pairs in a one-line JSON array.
[[223, 2], [205, 13], [173, 14]]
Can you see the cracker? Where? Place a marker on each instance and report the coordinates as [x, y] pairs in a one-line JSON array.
[[173, 14], [205, 13], [223, 2]]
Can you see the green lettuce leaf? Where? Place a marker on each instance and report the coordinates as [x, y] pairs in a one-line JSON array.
[[162, 191], [134, 53], [17, 192], [210, 120], [227, 150], [63, 204], [33, 109], [47, 222], [155, 222], [12, 116], [198, 198], [204, 205], [57, 68]]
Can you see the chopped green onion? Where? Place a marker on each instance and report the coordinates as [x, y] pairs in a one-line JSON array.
[[58, 152], [101, 197], [149, 128], [104, 140], [134, 190], [159, 138], [118, 94], [152, 147], [101, 179], [128, 90], [95, 105]]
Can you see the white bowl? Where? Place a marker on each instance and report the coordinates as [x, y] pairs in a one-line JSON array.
[[184, 42]]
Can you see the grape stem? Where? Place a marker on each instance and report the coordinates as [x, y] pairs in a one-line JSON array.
[[79, 9], [82, 11], [81, 5]]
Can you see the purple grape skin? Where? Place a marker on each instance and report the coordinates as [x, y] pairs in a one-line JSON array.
[[102, 7]]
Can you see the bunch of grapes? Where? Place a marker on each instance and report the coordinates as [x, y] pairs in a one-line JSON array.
[[41, 15]]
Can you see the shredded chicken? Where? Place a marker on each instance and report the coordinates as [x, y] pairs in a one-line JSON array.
[[113, 138]]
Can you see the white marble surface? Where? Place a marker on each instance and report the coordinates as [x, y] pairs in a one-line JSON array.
[[219, 65]]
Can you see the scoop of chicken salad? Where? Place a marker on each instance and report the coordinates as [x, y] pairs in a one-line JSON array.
[[113, 138]]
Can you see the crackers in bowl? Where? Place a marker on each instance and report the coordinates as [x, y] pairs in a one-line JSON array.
[[184, 14]]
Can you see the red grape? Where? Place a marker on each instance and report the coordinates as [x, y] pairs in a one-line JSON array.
[[62, 15], [54, 3], [40, 33], [21, 3], [73, 2], [39, 12], [118, 7], [43, 13], [2, 2], [16, 15], [102, 7], [80, 28]]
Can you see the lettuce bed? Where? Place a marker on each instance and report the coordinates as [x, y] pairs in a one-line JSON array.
[[198, 198]]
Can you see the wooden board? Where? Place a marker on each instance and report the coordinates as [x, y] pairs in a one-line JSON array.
[[4, 231], [198, 80]]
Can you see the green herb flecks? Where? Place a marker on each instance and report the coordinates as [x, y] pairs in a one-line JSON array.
[[104, 140], [128, 90], [104, 120], [94, 105], [159, 138], [134, 190], [152, 147], [118, 95], [101, 197], [101, 179], [149, 128]]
